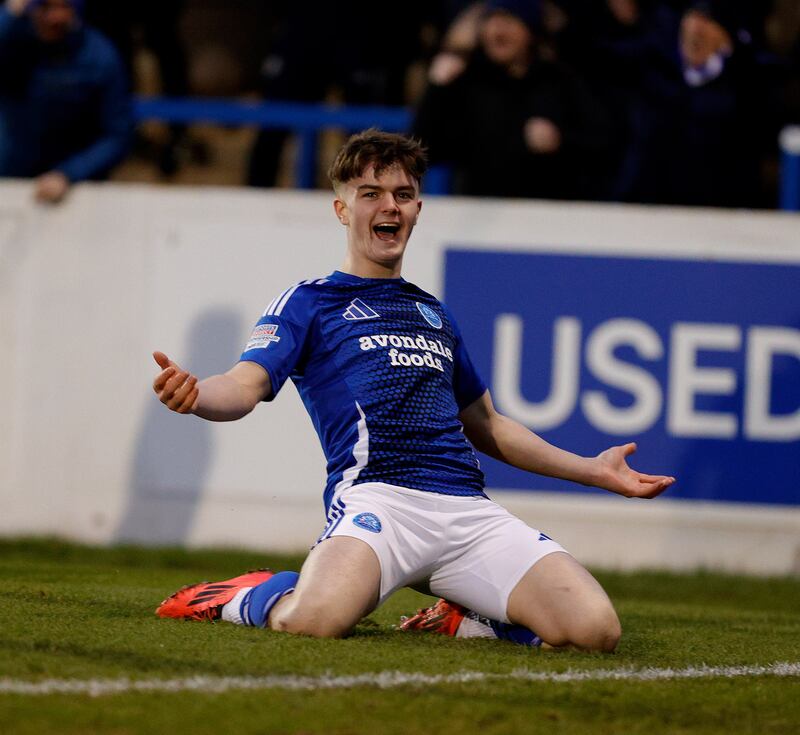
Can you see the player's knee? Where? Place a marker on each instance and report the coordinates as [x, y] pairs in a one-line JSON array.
[[310, 620], [598, 631]]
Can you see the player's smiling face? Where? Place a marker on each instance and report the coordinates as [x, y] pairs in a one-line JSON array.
[[379, 212]]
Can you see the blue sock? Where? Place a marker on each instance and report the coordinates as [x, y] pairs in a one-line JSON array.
[[257, 603], [515, 633]]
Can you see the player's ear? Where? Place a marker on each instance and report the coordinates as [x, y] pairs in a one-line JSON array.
[[419, 209], [341, 211]]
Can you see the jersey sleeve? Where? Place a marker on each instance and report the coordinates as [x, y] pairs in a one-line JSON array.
[[468, 385], [278, 340]]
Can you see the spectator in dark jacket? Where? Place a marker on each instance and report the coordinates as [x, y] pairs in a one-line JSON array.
[[65, 112], [509, 122], [705, 113], [587, 42]]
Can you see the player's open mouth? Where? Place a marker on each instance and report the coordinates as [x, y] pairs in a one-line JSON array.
[[386, 230]]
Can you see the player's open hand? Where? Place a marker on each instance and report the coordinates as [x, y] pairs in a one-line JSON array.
[[618, 477], [175, 388]]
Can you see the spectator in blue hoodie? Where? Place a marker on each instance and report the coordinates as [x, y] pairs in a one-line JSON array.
[[65, 112]]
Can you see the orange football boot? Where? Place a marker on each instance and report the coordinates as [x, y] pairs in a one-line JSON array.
[[442, 617], [204, 600]]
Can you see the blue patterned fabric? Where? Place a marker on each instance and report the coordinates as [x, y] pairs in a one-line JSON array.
[[383, 372]]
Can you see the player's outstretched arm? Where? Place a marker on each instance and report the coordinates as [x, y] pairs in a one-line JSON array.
[[225, 397], [511, 442]]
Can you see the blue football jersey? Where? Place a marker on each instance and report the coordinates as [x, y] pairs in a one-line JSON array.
[[383, 372]]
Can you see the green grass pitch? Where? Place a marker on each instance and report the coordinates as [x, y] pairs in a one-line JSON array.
[[72, 614]]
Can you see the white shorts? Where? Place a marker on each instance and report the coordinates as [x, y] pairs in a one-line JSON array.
[[468, 550]]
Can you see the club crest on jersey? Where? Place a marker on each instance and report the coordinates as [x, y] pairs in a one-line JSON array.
[[430, 315], [369, 522], [359, 310], [262, 337]]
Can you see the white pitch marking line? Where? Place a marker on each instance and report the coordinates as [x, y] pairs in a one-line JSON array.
[[380, 680]]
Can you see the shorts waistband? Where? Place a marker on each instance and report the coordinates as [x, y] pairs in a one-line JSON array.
[[411, 492]]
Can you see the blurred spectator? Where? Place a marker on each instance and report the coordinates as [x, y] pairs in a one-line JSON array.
[[783, 35], [344, 46], [64, 107], [791, 91], [589, 41], [703, 113], [153, 24], [508, 121]]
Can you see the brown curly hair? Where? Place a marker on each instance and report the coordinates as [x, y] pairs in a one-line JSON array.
[[381, 150]]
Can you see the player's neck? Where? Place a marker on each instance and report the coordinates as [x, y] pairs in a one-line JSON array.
[[369, 269]]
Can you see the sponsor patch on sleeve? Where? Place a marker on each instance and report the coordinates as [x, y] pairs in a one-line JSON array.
[[262, 337]]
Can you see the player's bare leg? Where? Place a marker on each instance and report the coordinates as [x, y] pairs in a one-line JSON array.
[[339, 584], [565, 605]]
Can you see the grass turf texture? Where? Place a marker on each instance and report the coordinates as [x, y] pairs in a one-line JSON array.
[[72, 612]]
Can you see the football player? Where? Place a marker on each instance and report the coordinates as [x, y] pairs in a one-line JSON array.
[[400, 410]]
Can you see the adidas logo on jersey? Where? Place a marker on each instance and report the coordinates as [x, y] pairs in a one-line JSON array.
[[359, 310]]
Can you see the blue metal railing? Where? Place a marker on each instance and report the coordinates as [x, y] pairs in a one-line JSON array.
[[306, 120], [303, 119]]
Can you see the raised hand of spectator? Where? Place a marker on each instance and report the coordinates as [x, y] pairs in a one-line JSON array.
[[446, 67], [17, 7], [51, 187], [542, 135]]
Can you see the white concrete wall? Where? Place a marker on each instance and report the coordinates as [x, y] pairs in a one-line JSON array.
[[90, 288]]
